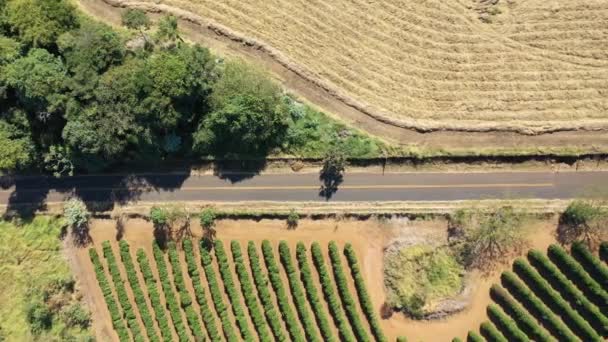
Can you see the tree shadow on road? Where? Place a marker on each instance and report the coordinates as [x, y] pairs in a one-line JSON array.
[[330, 183]]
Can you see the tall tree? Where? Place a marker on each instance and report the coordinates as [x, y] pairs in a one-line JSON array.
[[15, 152]]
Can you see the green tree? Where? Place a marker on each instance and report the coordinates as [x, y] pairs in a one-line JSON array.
[[38, 23], [207, 219], [10, 50], [135, 19], [168, 31], [77, 218], [332, 171], [15, 152], [58, 161], [159, 216], [293, 219], [585, 221]]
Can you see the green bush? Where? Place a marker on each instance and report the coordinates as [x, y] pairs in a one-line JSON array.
[[456, 339], [138, 294], [216, 295], [154, 295], [172, 303], [293, 326], [596, 268], [474, 337], [489, 331], [401, 339], [312, 294], [199, 292], [251, 300], [332, 299], [106, 290], [349, 304], [519, 314], [364, 299], [505, 324], [231, 291], [261, 283], [121, 292], [297, 293], [575, 272], [569, 291], [554, 301], [536, 307], [185, 299]]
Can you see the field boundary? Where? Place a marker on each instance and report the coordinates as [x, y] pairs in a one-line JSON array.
[[420, 126]]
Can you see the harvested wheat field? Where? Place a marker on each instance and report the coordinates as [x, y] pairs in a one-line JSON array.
[[367, 238], [539, 66]]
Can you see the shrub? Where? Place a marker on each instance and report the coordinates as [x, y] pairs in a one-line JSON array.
[[348, 302], [569, 291], [230, 289], [536, 307], [248, 292], [138, 294], [277, 284], [593, 266], [293, 219], [297, 292], [312, 294], [364, 299], [474, 337], [489, 331], [401, 339], [261, 283], [135, 19], [506, 325], [582, 221], [330, 296]]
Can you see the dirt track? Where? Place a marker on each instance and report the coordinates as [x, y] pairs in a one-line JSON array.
[[335, 105]]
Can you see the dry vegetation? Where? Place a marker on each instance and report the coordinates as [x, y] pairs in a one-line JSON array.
[[542, 63]]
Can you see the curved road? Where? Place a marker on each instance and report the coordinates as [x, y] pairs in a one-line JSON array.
[[304, 187]]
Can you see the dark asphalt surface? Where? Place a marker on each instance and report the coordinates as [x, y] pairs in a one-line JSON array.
[[305, 187]]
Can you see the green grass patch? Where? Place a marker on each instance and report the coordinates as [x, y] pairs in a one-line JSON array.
[[33, 268], [419, 275]]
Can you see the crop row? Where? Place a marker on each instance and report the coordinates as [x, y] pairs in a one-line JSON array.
[[575, 272], [474, 337], [519, 314], [274, 274], [261, 284], [231, 291], [312, 295], [184, 295], [106, 290], [251, 300], [505, 324], [140, 297], [536, 307], [364, 299], [172, 304], [604, 251], [153, 294], [121, 292], [216, 295], [199, 292], [568, 291], [335, 306], [297, 292], [349, 304], [489, 331], [554, 301], [594, 266]]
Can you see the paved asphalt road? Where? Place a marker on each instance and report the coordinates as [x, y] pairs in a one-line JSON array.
[[305, 187]]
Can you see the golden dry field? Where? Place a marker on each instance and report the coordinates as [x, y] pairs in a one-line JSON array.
[[533, 64]]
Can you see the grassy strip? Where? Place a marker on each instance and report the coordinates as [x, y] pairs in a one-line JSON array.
[[255, 312], [231, 291], [475, 337], [297, 292], [312, 295], [140, 298], [172, 303], [153, 294], [596, 268], [332, 299], [489, 331], [349, 304], [554, 301], [575, 272], [184, 295], [505, 324], [569, 292], [121, 292], [261, 284], [106, 290], [216, 295], [536, 307], [364, 299], [199, 292], [523, 319], [293, 327]]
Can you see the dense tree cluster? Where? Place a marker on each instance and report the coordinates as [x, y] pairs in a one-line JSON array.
[[77, 95]]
